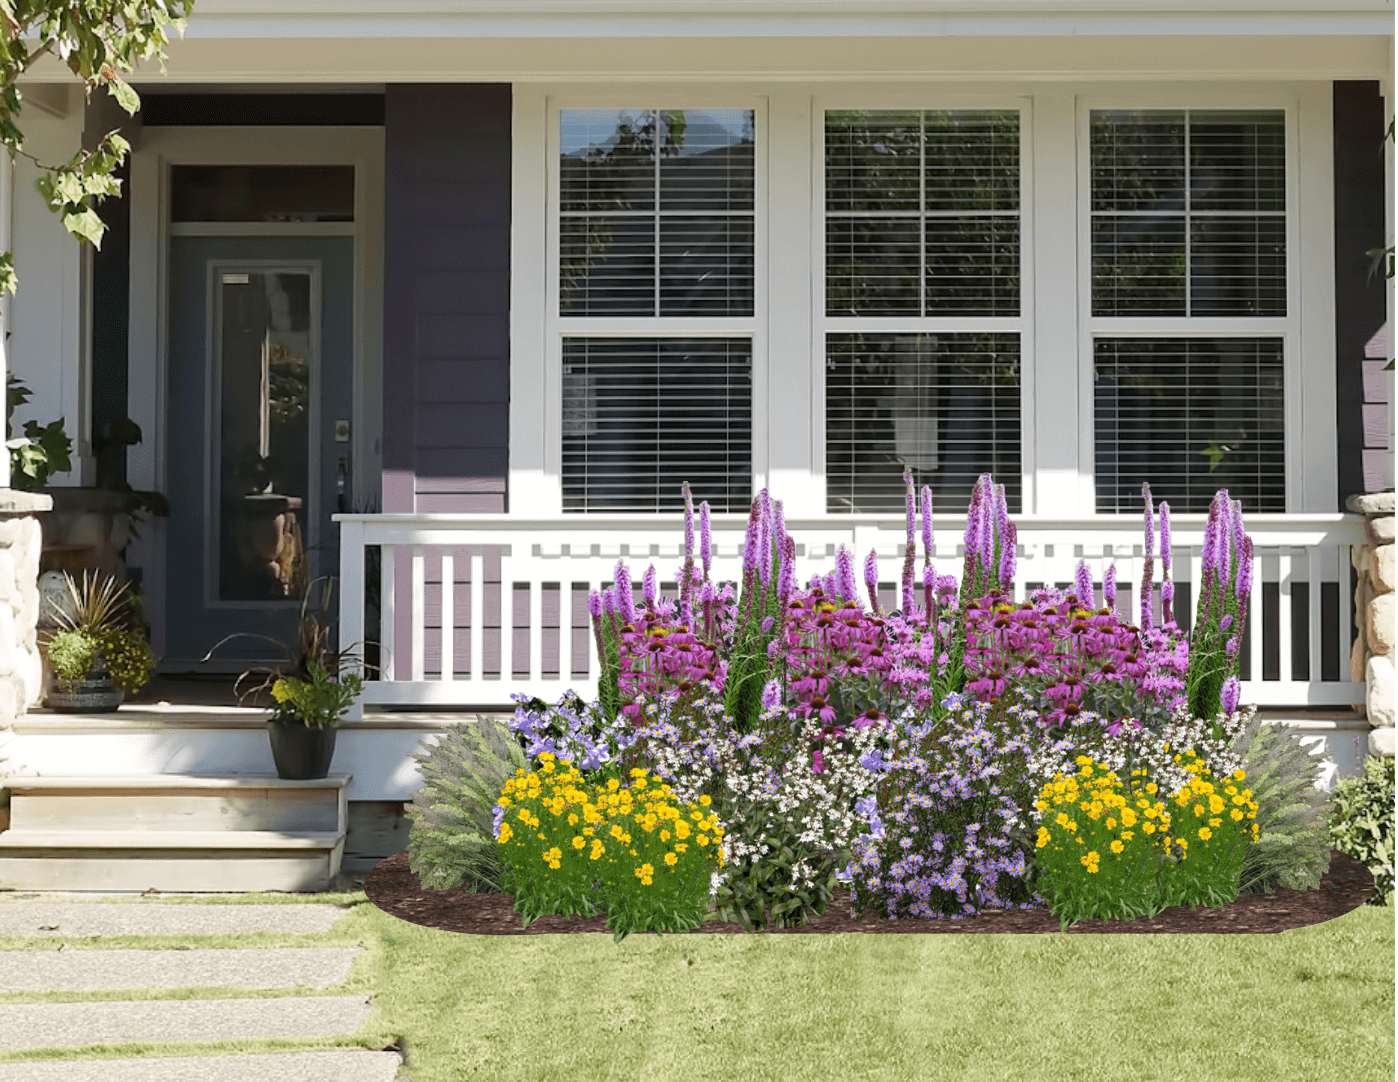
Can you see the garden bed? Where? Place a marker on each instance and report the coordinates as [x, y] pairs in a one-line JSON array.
[[392, 886]]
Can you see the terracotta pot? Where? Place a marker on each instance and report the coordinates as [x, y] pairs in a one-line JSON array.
[[301, 751]]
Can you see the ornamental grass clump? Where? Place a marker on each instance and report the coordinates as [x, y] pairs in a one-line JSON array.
[[941, 839], [1101, 844], [569, 847]]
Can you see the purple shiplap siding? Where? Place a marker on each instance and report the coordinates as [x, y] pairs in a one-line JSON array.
[[447, 334], [446, 297]]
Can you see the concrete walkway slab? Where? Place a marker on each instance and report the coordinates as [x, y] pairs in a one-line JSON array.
[[49, 970], [82, 919], [65, 1025], [252, 1067]]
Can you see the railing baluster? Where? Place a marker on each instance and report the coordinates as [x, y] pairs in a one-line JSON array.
[[507, 617], [1254, 617], [1344, 560], [419, 613], [535, 646], [1313, 580], [352, 597], [565, 626], [448, 615], [1284, 666], [476, 585], [387, 612]]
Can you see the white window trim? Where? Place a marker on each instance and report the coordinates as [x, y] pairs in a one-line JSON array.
[[789, 287], [930, 99], [1307, 329], [542, 475]]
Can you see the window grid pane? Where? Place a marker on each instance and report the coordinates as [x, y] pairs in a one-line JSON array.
[[1188, 212], [1191, 416], [656, 212], [643, 415], [946, 405], [922, 213]]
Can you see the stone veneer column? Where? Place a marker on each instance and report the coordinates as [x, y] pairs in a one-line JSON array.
[[21, 670], [1373, 655]]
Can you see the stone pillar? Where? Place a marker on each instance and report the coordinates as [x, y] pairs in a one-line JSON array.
[[21, 671], [1373, 653]]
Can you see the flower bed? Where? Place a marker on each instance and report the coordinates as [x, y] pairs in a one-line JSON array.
[[965, 753]]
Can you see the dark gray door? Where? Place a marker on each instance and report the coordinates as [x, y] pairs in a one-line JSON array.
[[260, 373]]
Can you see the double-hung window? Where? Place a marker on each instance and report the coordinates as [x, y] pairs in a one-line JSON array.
[[923, 298], [1188, 305], [657, 306]]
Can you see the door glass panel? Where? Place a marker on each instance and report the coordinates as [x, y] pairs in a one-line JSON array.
[[262, 193], [265, 354]]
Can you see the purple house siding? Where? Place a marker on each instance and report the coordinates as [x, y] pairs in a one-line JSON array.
[[1359, 294], [446, 337], [446, 297]]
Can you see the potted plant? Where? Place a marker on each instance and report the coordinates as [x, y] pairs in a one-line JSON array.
[[99, 652], [310, 692]]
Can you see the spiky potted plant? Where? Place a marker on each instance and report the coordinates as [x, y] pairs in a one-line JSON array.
[[99, 653]]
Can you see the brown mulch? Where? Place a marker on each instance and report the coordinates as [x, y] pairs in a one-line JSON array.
[[392, 886]]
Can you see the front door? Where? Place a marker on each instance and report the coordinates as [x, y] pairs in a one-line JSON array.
[[260, 396]]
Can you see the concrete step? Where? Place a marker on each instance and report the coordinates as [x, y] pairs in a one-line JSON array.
[[47, 919], [349, 1066], [168, 860], [67, 1025], [48, 970], [179, 802]]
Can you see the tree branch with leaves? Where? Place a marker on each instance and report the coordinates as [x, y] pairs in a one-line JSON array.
[[99, 41]]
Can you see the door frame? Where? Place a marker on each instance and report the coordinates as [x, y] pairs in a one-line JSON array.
[[154, 153]]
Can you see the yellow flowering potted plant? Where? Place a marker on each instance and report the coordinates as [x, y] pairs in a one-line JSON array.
[[95, 645], [305, 714]]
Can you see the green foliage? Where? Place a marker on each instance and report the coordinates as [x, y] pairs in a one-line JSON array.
[[99, 41], [760, 889], [1361, 823], [1292, 850], [321, 698], [41, 451], [71, 653], [452, 840]]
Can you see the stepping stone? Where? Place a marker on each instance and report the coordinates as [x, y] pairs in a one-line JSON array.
[[248, 1067], [109, 970], [76, 920], [64, 1025]]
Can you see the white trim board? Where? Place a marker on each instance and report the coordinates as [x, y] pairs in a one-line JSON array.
[[156, 150]]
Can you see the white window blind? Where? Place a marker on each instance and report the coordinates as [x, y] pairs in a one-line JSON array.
[[1188, 223], [922, 304], [643, 415]]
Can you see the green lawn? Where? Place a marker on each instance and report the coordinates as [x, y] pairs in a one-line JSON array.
[[1314, 1004]]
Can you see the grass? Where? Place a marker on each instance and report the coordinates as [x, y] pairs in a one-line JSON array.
[[1314, 1003]]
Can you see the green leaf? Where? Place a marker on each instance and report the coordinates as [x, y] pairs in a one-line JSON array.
[[85, 225], [125, 96], [8, 279]]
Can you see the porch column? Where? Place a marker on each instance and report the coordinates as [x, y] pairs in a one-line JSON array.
[[46, 318]]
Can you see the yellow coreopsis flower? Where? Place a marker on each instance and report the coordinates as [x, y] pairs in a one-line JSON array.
[[671, 859], [1117, 847], [1205, 833], [579, 841]]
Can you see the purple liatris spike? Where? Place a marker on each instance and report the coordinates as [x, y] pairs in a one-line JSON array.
[[779, 525], [772, 695], [871, 579], [1164, 540], [972, 538], [910, 501], [1082, 583], [786, 578], [688, 521], [929, 592], [764, 538], [609, 600], [1244, 578], [625, 603], [1231, 650], [989, 513], [831, 586], [754, 535], [1229, 696], [1109, 587], [1167, 601], [845, 588], [706, 547], [648, 588], [1007, 558], [1002, 516], [926, 524], [594, 605], [1236, 525], [1148, 565]]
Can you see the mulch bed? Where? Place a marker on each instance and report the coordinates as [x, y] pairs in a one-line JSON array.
[[392, 886]]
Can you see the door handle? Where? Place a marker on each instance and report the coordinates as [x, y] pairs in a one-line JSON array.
[[342, 482]]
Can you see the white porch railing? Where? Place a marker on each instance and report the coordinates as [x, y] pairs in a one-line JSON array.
[[514, 618]]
